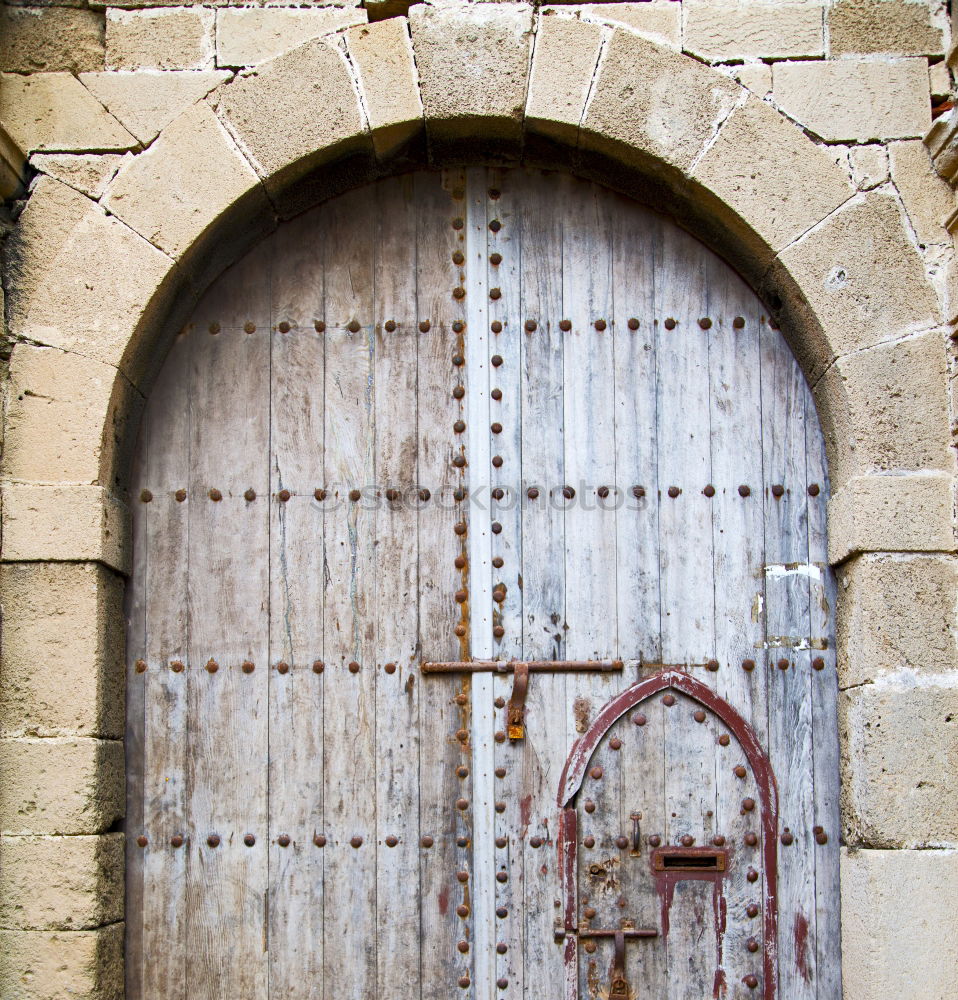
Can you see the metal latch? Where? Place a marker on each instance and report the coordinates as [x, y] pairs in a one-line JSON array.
[[619, 988]]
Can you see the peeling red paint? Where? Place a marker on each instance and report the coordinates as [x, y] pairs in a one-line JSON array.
[[444, 900], [525, 812], [801, 946]]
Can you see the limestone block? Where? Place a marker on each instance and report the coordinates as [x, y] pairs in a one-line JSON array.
[[54, 111], [382, 56], [81, 965], [718, 30], [473, 69], [886, 408], [88, 173], [898, 27], [899, 935], [249, 35], [756, 76], [939, 81], [658, 20], [662, 106], [63, 638], [35, 39], [12, 163], [767, 172], [176, 190], [158, 38], [927, 198], [295, 112], [60, 785], [856, 100], [897, 612], [900, 741], [861, 275], [145, 102], [81, 887], [891, 513], [79, 279], [563, 66], [72, 523], [869, 166]]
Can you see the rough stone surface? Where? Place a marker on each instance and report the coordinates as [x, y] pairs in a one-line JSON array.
[[174, 38], [718, 30], [176, 189], [756, 76], [768, 172], [658, 20], [899, 937], [382, 56], [63, 640], [88, 173], [886, 408], [285, 121], [147, 101], [58, 296], [60, 786], [856, 100], [655, 103], [69, 523], [563, 65], [891, 514], [862, 276], [248, 36], [54, 111], [869, 165], [927, 198], [79, 965], [939, 81], [896, 613], [49, 39], [83, 888], [900, 743], [896, 27], [473, 67]]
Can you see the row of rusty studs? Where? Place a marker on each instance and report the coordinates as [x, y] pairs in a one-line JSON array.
[[319, 840], [247, 666]]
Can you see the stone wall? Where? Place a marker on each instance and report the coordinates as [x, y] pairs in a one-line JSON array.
[[794, 132]]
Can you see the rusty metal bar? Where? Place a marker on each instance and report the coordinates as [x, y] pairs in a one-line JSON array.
[[508, 666], [628, 932]]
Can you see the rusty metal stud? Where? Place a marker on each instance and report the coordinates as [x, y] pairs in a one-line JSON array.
[[818, 663], [459, 292], [498, 631], [250, 495], [319, 494], [502, 877], [458, 392], [748, 665], [424, 326], [458, 223], [176, 666], [709, 490], [213, 840], [390, 325], [724, 740], [354, 495], [462, 596], [498, 493], [497, 562], [462, 910], [462, 841], [670, 323], [705, 323], [752, 910], [461, 527], [497, 461], [499, 595], [669, 700], [212, 666], [502, 913], [752, 875], [531, 326], [615, 743], [319, 326], [687, 840], [501, 842], [500, 736], [748, 805], [752, 945], [249, 327], [176, 841], [458, 326], [568, 492], [283, 840], [427, 842], [460, 630], [589, 842], [424, 495], [145, 496], [462, 735], [353, 326], [590, 946], [496, 327], [639, 719], [463, 947], [589, 913], [589, 806], [674, 491], [698, 715], [778, 490], [495, 225], [750, 981], [718, 841], [739, 771], [247, 667], [783, 664], [461, 699], [821, 837], [459, 426], [284, 495], [496, 394], [460, 562], [500, 807], [495, 259], [751, 839], [603, 491], [535, 842], [463, 877], [459, 461], [633, 324], [353, 667], [814, 489], [215, 495], [500, 702], [141, 841], [392, 495], [500, 771], [655, 840], [787, 837], [214, 328], [284, 327], [462, 803], [739, 322], [249, 840], [464, 982], [502, 948], [459, 494], [139, 666], [390, 668], [496, 428], [282, 667], [621, 842], [496, 527], [356, 841], [495, 293], [532, 493], [565, 325], [744, 491], [318, 666], [596, 772], [179, 496], [712, 665], [600, 325], [496, 360]]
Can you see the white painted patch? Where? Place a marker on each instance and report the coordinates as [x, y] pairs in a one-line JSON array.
[[777, 571]]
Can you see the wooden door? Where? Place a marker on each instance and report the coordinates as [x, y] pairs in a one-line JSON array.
[[467, 419]]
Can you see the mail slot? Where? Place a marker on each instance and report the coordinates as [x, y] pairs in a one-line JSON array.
[[689, 859]]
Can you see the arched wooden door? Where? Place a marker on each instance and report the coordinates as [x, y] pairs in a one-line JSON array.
[[436, 425]]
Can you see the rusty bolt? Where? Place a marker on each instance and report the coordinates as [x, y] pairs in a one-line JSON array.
[[459, 461], [463, 947], [499, 595], [460, 630], [748, 805], [497, 461], [424, 495], [460, 562], [458, 223], [461, 527], [462, 771], [462, 596], [687, 840], [390, 325], [496, 394], [724, 740], [655, 840], [821, 837], [214, 328], [669, 700], [603, 491], [778, 490], [748, 665], [284, 327], [213, 840], [787, 837], [424, 326], [752, 944], [212, 666], [459, 426], [818, 663], [814, 489], [565, 325], [674, 491], [498, 493], [249, 327], [247, 667], [615, 743], [589, 913], [250, 495], [718, 841], [390, 668], [392, 494], [502, 877], [495, 293], [318, 666], [712, 665], [532, 493], [458, 392], [531, 326], [496, 326], [464, 982], [783, 664], [139, 666], [495, 259], [462, 735], [215, 495], [497, 562], [621, 842], [496, 528], [633, 324], [500, 736], [501, 841], [752, 875], [568, 492], [177, 666], [496, 360], [319, 494], [535, 842], [282, 667], [353, 326], [462, 910], [356, 841], [500, 771], [354, 495], [284, 495], [319, 326], [501, 948], [461, 699], [500, 702], [495, 225], [698, 715], [463, 877], [141, 841], [500, 807], [428, 842], [638, 492], [249, 840], [590, 947], [392, 841], [751, 839], [744, 491], [739, 322], [589, 806], [146, 496], [752, 910], [709, 490], [596, 772], [705, 323], [176, 840], [750, 981], [462, 803], [353, 667], [496, 428], [283, 840], [589, 842], [740, 771], [600, 325], [639, 719], [502, 913], [459, 292], [670, 323], [179, 496]]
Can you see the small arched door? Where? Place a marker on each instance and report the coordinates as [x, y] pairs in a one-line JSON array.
[[435, 428]]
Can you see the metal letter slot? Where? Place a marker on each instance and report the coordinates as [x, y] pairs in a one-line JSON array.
[[689, 859]]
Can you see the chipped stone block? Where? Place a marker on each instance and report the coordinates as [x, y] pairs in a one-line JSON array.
[[158, 38], [869, 166], [88, 173], [718, 30], [928, 199], [756, 76], [50, 39], [249, 35], [658, 20], [896, 27]]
